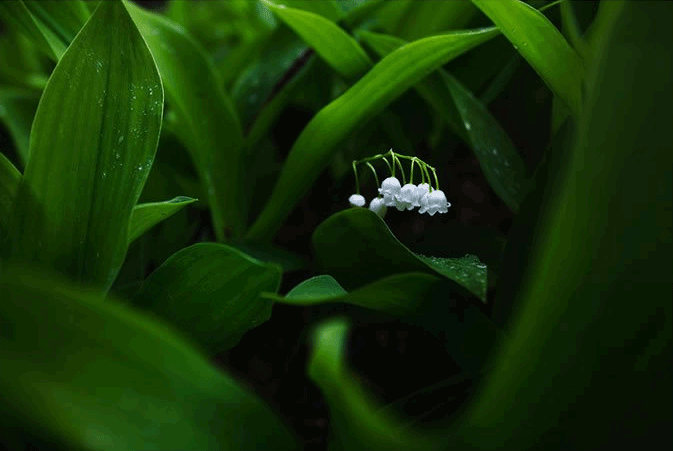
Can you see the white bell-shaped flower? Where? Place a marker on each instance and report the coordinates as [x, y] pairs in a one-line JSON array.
[[407, 198], [378, 206], [421, 190], [434, 202], [389, 189], [357, 200]]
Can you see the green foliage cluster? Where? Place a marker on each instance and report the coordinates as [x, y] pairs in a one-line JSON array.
[[112, 109]]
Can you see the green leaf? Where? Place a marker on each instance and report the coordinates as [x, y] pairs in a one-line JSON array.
[[9, 182], [417, 298], [500, 161], [17, 111], [92, 145], [542, 45], [315, 289], [102, 376], [287, 260], [18, 16], [146, 216], [588, 361], [206, 121], [392, 76], [429, 18], [367, 251], [327, 9], [64, 19], [356, 422], [210, 291], [329, 41], [282, 54]]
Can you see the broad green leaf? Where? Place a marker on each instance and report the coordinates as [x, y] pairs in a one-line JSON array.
[[17, 111], [542, 45], [207, 122], [588, 363], [386, 81], [367, 251], [92, 144], [102, 376], [329, 41], [17, 15], [9, 182], [146, 216], [356, 422], [500, 161], [210, 291]]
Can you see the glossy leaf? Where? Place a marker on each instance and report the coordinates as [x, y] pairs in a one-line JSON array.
[[367, 251], [146, 216], [372, 93], [356, 422], [329, 41], [542, 45], [17, 111], [210, 291], [111, 378], [91, 147], [9, 182], [596, 298], [206, 121]]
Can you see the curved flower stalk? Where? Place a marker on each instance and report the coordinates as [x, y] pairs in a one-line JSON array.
[[402, 195]]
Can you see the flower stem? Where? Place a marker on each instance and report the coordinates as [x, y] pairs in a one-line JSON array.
[[357, 182], [376, 177]]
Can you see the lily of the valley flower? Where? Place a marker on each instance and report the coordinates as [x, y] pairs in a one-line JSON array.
[[378, 206], [357, 200], [421, 191], [389, 189], [434, 202], [407, 198]]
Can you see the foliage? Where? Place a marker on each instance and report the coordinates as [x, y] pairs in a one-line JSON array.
[[173, 181]]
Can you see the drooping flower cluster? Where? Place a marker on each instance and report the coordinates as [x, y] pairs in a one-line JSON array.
[[403, 197]]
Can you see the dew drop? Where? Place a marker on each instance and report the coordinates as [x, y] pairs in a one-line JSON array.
[[495, 151], [121, 138], [468, 126]]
